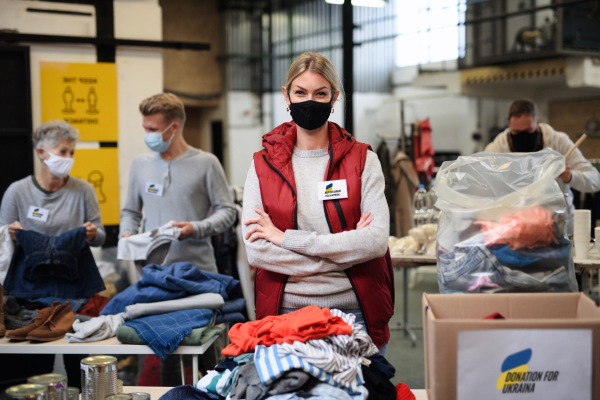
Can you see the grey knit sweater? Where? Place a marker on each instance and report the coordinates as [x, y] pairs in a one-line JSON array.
[[314, 258]]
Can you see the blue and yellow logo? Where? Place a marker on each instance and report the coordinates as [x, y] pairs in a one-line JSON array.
[[151, 187], [36, 211], [329, 188], [514, 369]]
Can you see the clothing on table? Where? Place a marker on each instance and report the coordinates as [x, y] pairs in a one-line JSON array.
[[192, 188], [180, 280], [76, 304], [477, 269], [307, 323], [323, 391], [528, 228], [227, 371], [139, 247], [248, 385], [198, 336], [231, 312], [379, 362], [58, 266], [585, 178], [94, 306], [378, 384], [188, 392], [338, 355], [96, 329], [16, 316], [315, 259], [211, 301], [58, 212], [406, 182], [271, 366], [7, 248], [403, 392]]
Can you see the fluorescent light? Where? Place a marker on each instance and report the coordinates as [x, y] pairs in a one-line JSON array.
[[362, 3]]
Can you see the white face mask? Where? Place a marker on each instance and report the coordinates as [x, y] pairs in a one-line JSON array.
[[59, 166]]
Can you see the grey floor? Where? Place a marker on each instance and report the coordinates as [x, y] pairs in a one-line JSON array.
[[408, 360]]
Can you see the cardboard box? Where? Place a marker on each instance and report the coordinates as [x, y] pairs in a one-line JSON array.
[[445, 315]]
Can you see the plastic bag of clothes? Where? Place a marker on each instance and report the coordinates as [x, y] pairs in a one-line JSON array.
[[503, 224]]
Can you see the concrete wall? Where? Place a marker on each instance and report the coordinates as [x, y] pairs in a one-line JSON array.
[[140, 71]]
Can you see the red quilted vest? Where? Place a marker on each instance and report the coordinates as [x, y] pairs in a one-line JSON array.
[[372, 281]]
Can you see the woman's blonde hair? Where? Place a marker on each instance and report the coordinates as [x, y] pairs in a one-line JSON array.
[[314, 63]]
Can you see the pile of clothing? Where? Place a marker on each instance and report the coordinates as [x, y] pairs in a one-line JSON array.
[[307, 354], [522, 252], [170, 306]]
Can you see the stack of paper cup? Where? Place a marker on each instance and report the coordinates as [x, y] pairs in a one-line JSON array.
[[582, 233]]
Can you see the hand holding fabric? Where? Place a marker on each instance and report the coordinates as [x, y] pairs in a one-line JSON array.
[[90, 231], [12, 228], [187, 229]]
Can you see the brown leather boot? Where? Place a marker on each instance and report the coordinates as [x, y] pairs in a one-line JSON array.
[[59, 323], [42, 317], [2, 326]]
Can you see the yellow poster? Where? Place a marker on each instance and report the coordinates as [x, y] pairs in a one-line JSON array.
[[100, 167], [84, 95]]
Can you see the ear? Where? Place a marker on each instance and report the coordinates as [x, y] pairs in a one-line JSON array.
[[285, 95], [40, 153], [335, 97], [176, 125]]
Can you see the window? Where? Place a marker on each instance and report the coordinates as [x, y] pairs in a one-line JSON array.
[[429, 31]]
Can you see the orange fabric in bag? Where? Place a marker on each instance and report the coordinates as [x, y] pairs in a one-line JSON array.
[[304, 324]]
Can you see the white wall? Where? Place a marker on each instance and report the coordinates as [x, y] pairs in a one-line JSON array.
[[140, 72]]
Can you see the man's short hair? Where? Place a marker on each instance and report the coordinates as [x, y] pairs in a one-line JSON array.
[[166, 104], [520, 107]]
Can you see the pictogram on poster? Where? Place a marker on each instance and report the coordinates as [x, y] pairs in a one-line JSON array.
[[84, 95]]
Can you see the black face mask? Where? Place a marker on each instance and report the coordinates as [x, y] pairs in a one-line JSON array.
[[310, 114], [524, 142]]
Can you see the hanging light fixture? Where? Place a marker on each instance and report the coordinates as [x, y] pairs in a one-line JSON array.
[[362, 3]]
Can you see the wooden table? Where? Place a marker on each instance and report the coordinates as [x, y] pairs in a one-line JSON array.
[[404, 263], [108, 346], [156, 392]]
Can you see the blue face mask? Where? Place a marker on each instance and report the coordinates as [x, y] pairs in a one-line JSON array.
[[155, 142]]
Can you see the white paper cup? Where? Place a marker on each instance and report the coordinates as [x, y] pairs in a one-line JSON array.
[[582, 249]]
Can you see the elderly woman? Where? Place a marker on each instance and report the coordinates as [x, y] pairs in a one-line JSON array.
[[52, 202]]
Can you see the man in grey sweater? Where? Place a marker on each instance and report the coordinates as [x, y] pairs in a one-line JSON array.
[[177, 183]]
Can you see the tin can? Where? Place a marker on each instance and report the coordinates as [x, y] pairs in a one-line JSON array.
[[139, 396], [98, 377], [28, 391], [120, 396], [56, 383], [72, 393]]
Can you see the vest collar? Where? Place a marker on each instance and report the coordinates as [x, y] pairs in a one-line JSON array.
[[279, 143]]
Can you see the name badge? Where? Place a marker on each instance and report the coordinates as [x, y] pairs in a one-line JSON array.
[[331, 190], [38, 213], [154, 189]]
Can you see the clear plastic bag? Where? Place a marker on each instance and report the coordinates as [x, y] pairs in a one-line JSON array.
[[503, 224]]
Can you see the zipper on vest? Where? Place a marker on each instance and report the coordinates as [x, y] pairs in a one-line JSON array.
[[336, 202], [358, 300], [290, 185]]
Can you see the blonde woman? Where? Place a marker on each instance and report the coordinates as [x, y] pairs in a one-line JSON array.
[[316, 219]]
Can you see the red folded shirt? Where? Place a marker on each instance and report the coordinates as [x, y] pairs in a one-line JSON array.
[[304, 324]]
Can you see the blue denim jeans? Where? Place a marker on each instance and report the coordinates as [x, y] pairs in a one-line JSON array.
[[52, 266], [360, 319]]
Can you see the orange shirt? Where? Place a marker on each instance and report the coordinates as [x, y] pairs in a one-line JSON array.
[[304, 324]]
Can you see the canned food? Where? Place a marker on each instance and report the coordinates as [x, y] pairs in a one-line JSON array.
[[139, 396], [56, 383], [120, 396], [72, 393], [98, 377], [28, 391]]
